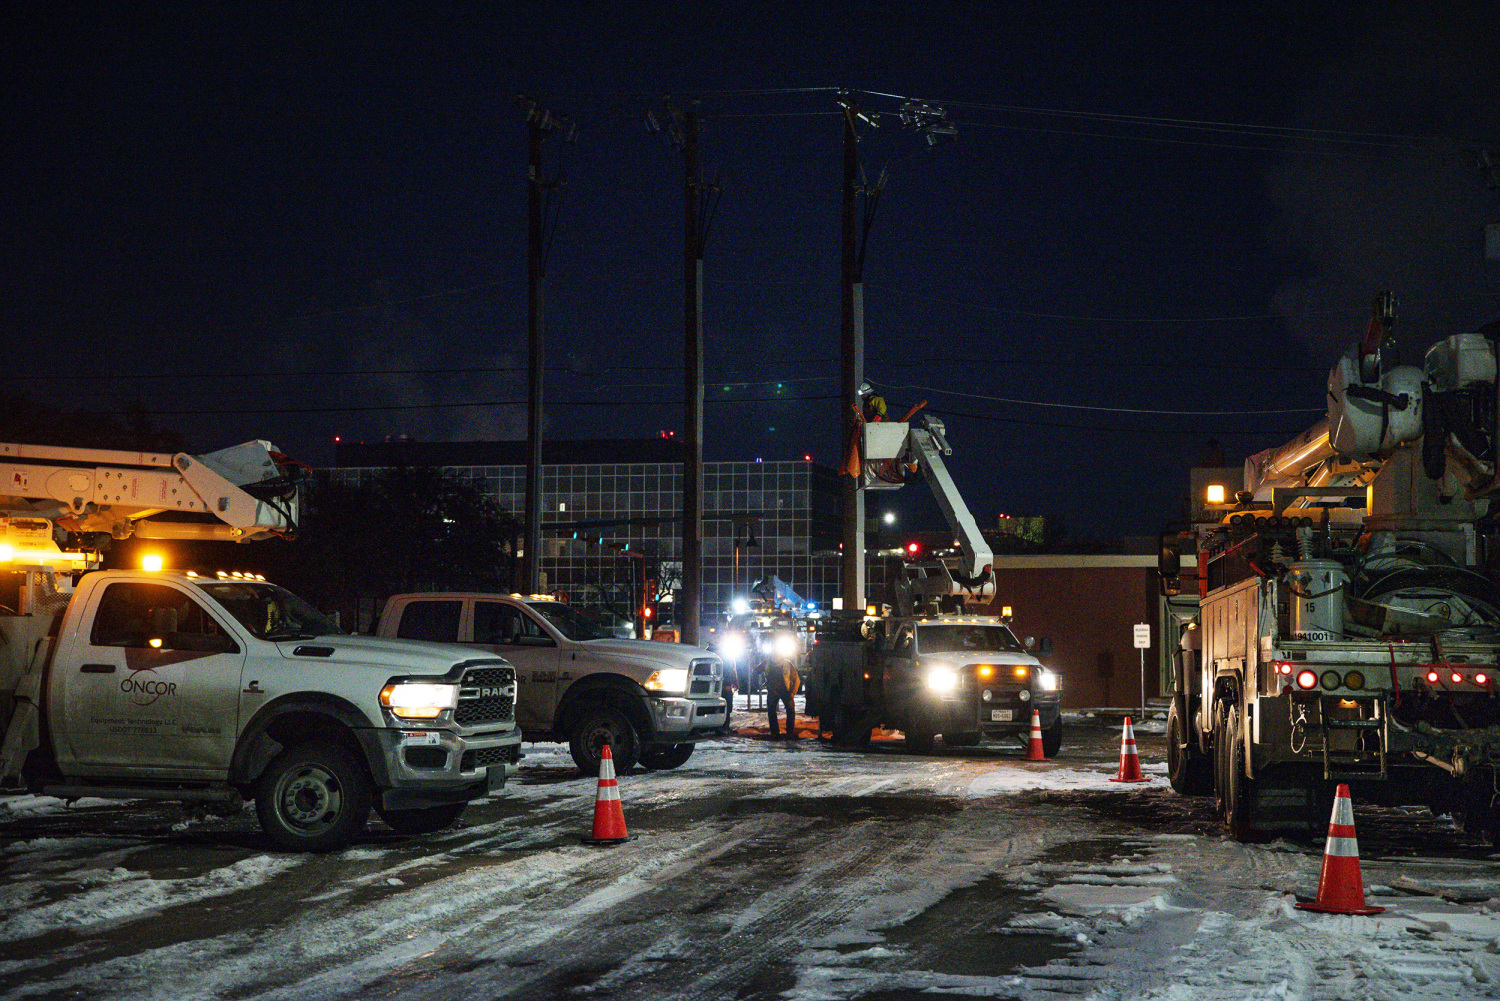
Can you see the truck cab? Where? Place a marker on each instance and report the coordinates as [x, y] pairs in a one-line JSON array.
[[650, 702], [964, 677], [217, 688]]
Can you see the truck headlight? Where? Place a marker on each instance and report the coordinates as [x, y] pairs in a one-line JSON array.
[[418, 700], [784, 646], [732, 646], [673, 679], [942, 679], [1046, 681]]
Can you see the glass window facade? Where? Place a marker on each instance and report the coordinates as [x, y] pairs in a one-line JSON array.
[[760, 518]]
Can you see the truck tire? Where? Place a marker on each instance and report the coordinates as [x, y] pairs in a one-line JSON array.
[[599, 725], [1052, 738], [847, 731], [422, 821], [663, 757], [313, 798], [1234, 794], [1188, 769], [919, 735]]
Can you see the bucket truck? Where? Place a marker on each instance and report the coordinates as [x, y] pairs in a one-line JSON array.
[[1348, 627], [217, 687]]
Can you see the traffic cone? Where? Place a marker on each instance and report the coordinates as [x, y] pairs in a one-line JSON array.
[[609, 816], [1130, 761], [1341, 889], [1034, 745]]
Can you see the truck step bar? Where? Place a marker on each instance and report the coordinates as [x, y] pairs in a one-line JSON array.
[[212, 794]]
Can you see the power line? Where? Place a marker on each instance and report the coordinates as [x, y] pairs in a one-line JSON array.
[[1112, 410]]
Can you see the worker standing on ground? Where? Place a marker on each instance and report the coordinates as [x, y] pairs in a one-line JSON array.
[[782, 679]]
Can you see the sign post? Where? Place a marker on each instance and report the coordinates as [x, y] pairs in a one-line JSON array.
[[1142, 632]]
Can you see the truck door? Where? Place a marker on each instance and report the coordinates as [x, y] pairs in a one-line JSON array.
[[507, 630], [158, 686], [433, 620]]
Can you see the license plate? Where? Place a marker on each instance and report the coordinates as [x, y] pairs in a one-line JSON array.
[[1000, 716], [494, 779]]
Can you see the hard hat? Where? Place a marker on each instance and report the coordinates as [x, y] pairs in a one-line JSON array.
[[865, 389]]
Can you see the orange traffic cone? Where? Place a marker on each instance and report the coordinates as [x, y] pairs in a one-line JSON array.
[[1130, 761], [609, 816], [1341, 889], [1034, 745]]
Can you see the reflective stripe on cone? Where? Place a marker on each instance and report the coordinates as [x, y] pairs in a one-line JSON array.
[[1341, 888], [609, 815], [1034, 750], [1130, 760]]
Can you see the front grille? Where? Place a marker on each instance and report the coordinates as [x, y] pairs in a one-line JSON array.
[[705, 675], [486, 695], [490, 756]]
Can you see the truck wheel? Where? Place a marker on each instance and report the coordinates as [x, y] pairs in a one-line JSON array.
[[1235, 793], [313, 798], [846, 729], [1052, 738], [1187, 768], [595, 727], [423, 821], [919, 735], [661, 757]]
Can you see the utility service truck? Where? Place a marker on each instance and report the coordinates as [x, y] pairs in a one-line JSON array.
[[216, 687], [650, 702], [1348, 627]]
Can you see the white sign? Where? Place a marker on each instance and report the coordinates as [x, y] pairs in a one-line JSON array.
[[1142, 635]]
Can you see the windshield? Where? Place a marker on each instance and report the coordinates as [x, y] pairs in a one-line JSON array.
[[569, 621], [963, 638], [269, 611]]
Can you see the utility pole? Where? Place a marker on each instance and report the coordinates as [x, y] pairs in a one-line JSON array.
[[852, 344], [539, 207], [692, 468]]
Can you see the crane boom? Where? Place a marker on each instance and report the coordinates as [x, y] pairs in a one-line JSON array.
[[238, 494]]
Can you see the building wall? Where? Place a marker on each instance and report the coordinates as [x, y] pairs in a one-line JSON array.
[[1087, 605]]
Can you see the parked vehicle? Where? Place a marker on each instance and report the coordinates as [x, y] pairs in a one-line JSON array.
[[650, 702]]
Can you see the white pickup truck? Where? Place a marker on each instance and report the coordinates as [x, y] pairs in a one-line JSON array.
[[648, 701], [215, 689]]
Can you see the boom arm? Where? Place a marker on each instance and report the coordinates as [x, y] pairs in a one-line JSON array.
[[242, 493], [928, 447]]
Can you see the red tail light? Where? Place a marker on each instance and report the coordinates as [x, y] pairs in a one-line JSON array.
[[1307, 679]]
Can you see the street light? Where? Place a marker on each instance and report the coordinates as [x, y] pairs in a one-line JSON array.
[[889, 518]]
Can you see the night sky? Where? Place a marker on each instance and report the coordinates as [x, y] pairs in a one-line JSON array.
[[296, 222]]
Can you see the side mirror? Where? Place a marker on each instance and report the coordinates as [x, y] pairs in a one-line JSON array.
[[1029, 642], [1046, 645], [1168, 561], [163, 621], [333, 617]]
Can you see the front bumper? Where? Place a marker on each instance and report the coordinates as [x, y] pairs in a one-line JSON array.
[[437, 767], [682, 720], [1003, 714]]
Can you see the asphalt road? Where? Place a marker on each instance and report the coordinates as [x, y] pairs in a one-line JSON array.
[[759, 869]]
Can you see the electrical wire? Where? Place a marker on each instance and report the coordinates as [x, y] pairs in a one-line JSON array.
[[1112, 410]]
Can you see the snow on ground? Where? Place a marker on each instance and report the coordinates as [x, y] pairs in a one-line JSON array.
[[761, 869]]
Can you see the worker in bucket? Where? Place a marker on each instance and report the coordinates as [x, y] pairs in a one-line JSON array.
[[871, 404], [782, 679]]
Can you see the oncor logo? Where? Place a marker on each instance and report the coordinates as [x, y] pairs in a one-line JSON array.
[[144, 691]]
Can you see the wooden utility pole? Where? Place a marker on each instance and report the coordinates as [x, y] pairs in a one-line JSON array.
[[535, 273], [692, 468], [852, 344]]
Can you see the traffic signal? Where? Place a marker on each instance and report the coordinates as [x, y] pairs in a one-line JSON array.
[[913, 548]]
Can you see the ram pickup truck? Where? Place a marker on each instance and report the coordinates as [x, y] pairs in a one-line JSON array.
[[217, 689], [648, 701], [965, 677]]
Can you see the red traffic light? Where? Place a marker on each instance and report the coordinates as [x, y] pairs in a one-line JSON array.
[[914, 548]]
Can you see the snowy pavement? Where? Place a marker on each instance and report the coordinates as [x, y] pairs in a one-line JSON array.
[[760, 869]]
